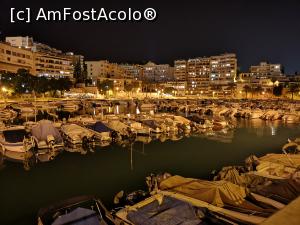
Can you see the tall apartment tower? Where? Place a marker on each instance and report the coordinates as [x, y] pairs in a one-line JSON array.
[[180, 70], [223, 68], [198, 74]]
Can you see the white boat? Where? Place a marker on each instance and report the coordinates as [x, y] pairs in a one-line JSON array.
[[76, 135], [256, 114], [7, 114], [178, 209], [183, 122], [276, 166], [15, 145], [47, 139], [103, 134], [70, 107], [154, 126], [25, 110], [290, 118], [84, 120], [118, 126], [220, 196], [138, 128]]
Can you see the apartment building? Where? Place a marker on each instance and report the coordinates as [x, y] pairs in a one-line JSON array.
[[265, 69], [76, 59], [133, 71], [20, 42], [14, 58], [163, 73], [105, 69], [40, 59], [180, 70], [202, 72], [198, 74], [223, 69], [52, 65], [156, 72]]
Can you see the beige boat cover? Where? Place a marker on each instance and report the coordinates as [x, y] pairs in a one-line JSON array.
[[233, 175], [218, 193], [182, 120], [290, 160], [274, 170]]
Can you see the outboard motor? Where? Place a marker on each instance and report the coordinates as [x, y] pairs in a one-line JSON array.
[[50, 139]]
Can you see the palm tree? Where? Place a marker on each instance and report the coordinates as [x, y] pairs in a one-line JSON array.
[[247, 89], [293, 88], [258, 89], [231, 87]]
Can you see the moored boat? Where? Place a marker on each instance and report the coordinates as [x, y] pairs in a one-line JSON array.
[[15, 144], [78, 210], [77, 136], [48, 141]]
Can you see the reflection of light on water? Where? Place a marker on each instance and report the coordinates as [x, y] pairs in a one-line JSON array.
[[137, 110], [273, 131]]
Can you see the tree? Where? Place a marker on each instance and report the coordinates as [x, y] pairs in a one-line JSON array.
[[42, 85], [105, 85], [293, 88], [277, 90], [169, 90], [24, 82], [231, 87], [78, 72], [89, 81], [258, 89], [8, 79], [84, 72], [247, 89], [273, 79], [128, 87]]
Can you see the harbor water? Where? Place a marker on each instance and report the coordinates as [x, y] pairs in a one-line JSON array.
[[110, 169]]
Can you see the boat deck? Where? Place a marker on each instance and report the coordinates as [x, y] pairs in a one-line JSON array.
[[288, 215]]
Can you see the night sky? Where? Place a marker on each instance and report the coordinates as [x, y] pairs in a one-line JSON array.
[[254, 30]]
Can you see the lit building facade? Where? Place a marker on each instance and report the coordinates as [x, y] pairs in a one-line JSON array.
[[20, 42], [39, 59], [76, 59], [52, 65], [265, 69], [105, 69], [202, 72], [13, 58], [97, 69], [132, 71], [198, 74], [156, 72], [223, 69], [180, 70]]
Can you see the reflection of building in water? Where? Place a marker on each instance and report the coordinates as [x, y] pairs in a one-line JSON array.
[[221, 136], [260, 127], [224, 136]]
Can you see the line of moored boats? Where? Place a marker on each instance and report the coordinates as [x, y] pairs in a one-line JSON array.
[[246, 194]]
